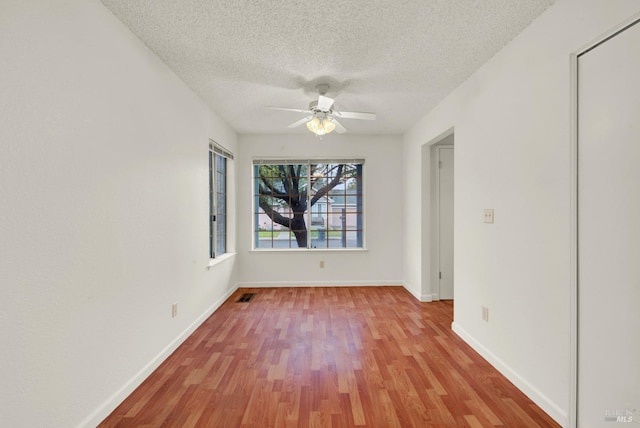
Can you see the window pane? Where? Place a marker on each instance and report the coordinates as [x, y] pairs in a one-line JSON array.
[[221, 205], [220, 226], [281, 199], [211, 210], [217, 204], [221, 239]]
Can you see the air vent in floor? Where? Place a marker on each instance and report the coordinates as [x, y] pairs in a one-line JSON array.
[[246, 297]]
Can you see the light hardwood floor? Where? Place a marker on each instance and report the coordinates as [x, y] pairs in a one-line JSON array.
[[327, 357]]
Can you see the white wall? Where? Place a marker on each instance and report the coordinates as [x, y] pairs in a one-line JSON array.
[[103, 212], [512, 131], [380, 264]]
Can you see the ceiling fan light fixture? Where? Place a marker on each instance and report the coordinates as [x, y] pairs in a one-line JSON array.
[[328, 125], [319, 127], [313, 125]]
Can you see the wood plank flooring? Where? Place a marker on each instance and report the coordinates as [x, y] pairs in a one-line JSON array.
[[327, 357]]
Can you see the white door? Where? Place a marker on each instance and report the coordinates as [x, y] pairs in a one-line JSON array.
[[609, 232], [445, 221]]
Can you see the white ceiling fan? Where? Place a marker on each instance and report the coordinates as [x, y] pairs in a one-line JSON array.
[[322, 117]]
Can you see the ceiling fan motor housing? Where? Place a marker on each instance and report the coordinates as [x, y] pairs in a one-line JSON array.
[[313, 106]]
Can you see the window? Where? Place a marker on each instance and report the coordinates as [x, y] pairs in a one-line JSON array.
[[217, 199], [309, 204]]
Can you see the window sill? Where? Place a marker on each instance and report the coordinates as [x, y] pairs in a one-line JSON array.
[[218, 260], [309, 250]]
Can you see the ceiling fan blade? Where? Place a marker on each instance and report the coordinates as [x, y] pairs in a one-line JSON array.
[[290, 109], [300, 122], [324, 103], [355, 115], [339, 128]]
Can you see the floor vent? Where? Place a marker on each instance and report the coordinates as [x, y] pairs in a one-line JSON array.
[[246, 297]]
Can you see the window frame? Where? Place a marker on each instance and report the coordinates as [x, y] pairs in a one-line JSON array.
[[216, 151], [359, 213]]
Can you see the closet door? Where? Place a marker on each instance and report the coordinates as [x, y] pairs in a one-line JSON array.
[[609, 232]]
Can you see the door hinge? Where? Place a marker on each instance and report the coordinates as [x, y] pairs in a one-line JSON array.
[[212, 218], [439, 164], [440, 275]]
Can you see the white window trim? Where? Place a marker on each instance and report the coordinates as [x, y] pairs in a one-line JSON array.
[[220, 259], [217, 149], [264, 160]]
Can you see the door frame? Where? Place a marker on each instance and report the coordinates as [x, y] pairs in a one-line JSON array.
[[438, 148], [574, 256]]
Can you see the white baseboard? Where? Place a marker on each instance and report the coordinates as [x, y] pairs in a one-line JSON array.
[[551, 408], [419, 297], [411, 291], [119, 396], [427, 298], [282, 284]]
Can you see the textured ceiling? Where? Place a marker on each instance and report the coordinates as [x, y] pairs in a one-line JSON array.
[[397, 58]]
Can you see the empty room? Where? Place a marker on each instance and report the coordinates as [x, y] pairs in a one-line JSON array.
[[331, 214]]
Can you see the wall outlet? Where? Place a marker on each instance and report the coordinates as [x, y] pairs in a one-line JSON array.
[[488, 215], [174, 310], [321, 264], [485, 313]]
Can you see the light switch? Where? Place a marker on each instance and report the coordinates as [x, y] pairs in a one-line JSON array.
[[488, 216]]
